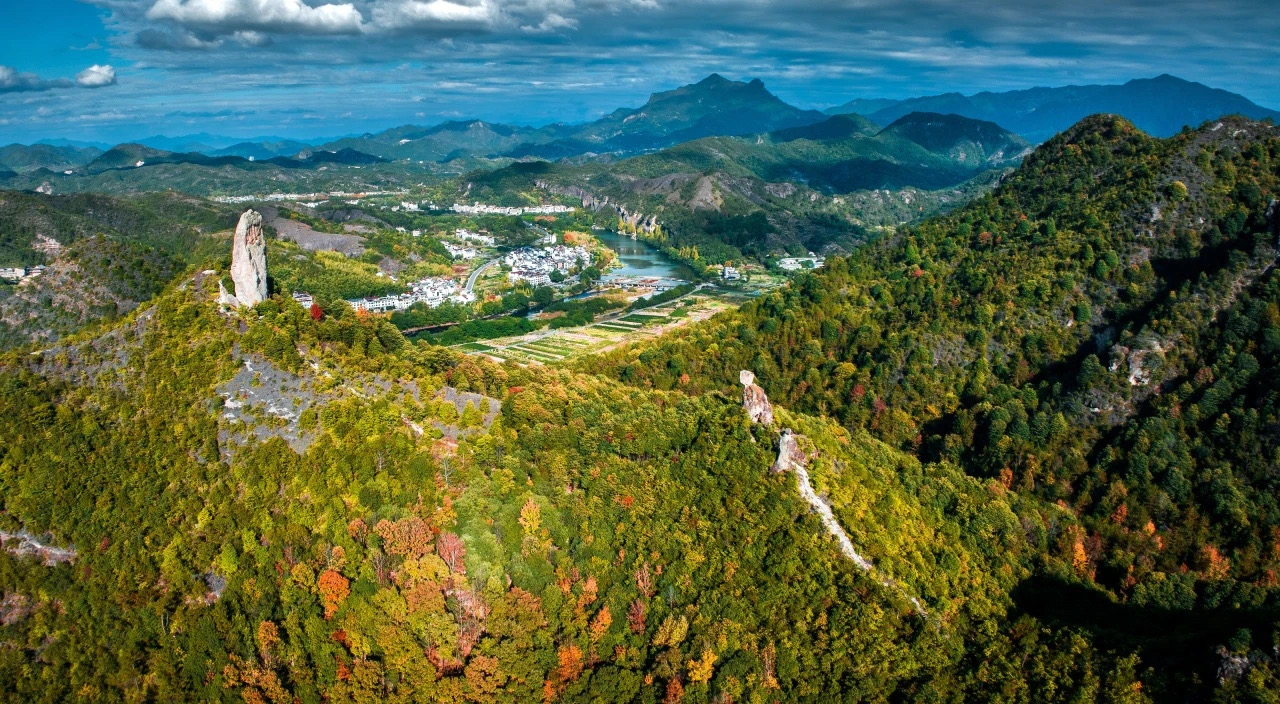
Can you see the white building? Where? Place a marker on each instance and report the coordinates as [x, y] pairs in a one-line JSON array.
[[483, 209], [798, 263], [303, 298], [535, 265], [729, 273], [469, 236], [458, 252], [432, 291]]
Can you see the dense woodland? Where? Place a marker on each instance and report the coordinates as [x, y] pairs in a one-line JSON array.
[[1101, 333], [1049, 417]]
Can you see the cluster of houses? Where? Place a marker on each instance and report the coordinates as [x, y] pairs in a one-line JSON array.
[[797, 263], [468, 236], [460, 252], [18, 273], [317, 198], [44, 244], [432, 291], [535, 265], [483, 209]]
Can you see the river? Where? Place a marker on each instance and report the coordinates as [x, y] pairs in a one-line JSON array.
[[639, 258]]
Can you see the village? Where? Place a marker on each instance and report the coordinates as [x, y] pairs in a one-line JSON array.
[[431, 291], [539, 266], [483, 209]]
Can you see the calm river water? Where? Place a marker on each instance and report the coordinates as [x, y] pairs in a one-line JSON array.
[[639, 258]]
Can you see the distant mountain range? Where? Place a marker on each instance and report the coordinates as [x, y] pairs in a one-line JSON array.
[[127, 156], [448, 140], [206, 143], [714, 106], [847, 153], [1160, 106], [22, 158]]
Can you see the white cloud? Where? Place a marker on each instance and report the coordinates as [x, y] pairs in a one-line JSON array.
[[552, 22], [410, 14], [230, 16], [96, 76]]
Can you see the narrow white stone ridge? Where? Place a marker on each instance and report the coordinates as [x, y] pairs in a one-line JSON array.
[[249, 260], [819, 505], [823, 509]]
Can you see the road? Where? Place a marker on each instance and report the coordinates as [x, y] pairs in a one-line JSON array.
[[471, 280]]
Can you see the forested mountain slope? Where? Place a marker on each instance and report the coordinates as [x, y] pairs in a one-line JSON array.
[[1101, 332], [105, 256], [268, 507]]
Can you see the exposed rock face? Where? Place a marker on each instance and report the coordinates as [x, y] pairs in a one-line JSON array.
[[790, 456], [754, 400], [594, 203], [249, 260]]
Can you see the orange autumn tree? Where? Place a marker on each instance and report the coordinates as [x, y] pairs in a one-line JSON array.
[[600, 624], [334, 589]]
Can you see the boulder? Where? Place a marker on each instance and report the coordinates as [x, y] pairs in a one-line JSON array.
[[754, 399], [249, 260]]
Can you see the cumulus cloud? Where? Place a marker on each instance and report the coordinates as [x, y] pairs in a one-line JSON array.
[[408, 14], [551, 23], [96, 76], [15, 81], [230, 16]]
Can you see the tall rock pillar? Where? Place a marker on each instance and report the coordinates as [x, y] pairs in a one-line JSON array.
[[249, 260]]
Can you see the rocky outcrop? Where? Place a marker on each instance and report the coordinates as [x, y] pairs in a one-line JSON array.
[[638, 221], [790, 456], [754, 400], [23, 544], [249, 261]]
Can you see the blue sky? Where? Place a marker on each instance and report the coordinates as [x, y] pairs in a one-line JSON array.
[[112, 70]]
